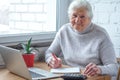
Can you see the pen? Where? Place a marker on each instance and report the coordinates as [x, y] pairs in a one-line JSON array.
[[59, 62], [54, 56]]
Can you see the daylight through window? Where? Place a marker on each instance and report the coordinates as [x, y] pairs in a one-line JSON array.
[[27, 16]]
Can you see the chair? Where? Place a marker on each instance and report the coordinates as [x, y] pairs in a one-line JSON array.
[[118, 75]]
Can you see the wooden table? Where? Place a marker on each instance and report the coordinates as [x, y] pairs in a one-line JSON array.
[[6, 75]]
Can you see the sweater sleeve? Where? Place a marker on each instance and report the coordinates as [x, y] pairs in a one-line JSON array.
[[108, 58], [54, 48]]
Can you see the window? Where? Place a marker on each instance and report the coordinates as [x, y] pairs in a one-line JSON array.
[[29, 16], [22, 19]]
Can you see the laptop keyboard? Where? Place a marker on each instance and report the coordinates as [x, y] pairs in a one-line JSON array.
[[40, 73], [34, 75]]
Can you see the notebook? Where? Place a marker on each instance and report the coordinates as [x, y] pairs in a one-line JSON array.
[[66, 70], [15, 64]]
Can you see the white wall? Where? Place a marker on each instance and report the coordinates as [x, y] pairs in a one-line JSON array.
[[107, 15]]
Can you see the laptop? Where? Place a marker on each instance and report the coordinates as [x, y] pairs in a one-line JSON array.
[[15, 64]]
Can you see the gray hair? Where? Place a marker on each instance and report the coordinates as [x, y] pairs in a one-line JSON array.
[[77, 4]]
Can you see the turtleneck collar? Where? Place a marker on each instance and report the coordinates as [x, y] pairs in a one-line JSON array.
[[88, 29]]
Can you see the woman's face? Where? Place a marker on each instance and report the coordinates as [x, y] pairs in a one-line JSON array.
[[79, 19]]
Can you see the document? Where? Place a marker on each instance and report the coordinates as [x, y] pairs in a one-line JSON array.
[[66, 70]]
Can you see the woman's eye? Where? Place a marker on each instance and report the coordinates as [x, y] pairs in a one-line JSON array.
[[74, 15], [82, 16]]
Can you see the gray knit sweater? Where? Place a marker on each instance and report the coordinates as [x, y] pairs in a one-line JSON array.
[[81, 48]]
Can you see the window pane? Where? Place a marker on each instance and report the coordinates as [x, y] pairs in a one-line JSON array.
[[28, 16]]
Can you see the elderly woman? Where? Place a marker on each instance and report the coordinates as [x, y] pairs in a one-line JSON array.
[[83, 43]]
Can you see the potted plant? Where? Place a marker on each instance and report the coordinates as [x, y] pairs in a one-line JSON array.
[[28, 55]]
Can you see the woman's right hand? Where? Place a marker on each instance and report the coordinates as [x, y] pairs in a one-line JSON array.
[[55, 62]]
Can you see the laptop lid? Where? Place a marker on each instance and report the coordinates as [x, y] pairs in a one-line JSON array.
[[14, 61], [15, 64]]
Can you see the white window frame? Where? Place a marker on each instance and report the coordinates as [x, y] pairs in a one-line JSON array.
[[61, 18]]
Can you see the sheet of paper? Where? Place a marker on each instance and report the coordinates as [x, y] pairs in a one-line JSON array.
[[66, 70]]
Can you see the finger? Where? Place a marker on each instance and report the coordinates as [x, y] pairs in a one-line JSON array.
[[53, 60], [88, 71], [54, 56], [59, 62], [90, 64], [88, 68], [55, 64], [52, 63], [92, 67], [92, 72]]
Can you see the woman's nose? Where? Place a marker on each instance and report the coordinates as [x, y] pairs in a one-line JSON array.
[[78, 19]]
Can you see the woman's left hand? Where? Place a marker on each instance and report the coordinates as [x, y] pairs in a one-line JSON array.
[[92, 70]]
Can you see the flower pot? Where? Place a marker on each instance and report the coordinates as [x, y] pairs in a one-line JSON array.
[[29, 59]]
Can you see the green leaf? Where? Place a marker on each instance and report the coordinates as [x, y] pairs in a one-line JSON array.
[[27, 47]]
